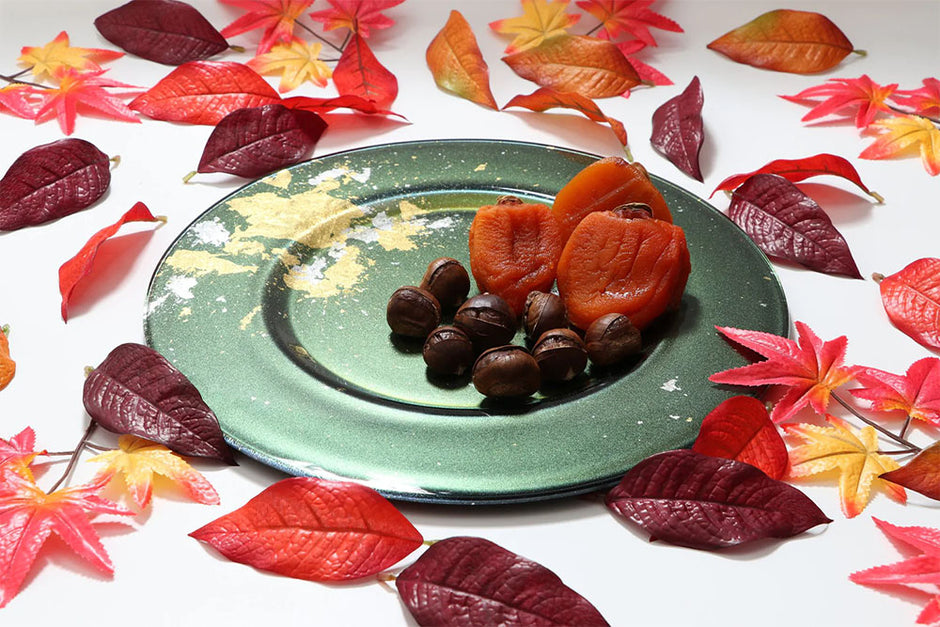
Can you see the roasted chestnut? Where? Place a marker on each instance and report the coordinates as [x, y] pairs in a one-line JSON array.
[[543, 312], [560, 354], [448, 280], [506, 372], [487, 319], [448, 351], [611, 339], [413, 312]]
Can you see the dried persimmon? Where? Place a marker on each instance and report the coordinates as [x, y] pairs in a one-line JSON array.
[[7, 365]]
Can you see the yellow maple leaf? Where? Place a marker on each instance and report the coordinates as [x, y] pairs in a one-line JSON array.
[[296, 62], [43, 61], [856, 458], [905, 134], [138, 459], [540, 20]]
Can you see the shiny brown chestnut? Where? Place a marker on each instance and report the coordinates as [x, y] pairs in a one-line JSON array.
[[413, 312], [543, 312], [506, 372], [448, 351], [448, 280], [560, 354], [487, 319], [611, 339]]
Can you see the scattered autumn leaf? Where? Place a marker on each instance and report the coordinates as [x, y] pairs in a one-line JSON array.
[[632, 17], [164, 31], [703, 502], [847, 96], [646, 72], [853, 454], [359, 16], [915, 393], [787, 224], [540, 20], [137, 391], [800, 42], [809, 367], [253, 142], [7, 365], [591, 67], [204, 92], [913, 571], [359, 73], [81, 91], [52, 181], [276, 17], [137, 460], [903, 135], [18, 452], [678, 130], [28, 516], [911, 298], [924, 101], [457, 64], [314, 529], [921, 474], [740, 428], [79, 266], [297, 62], [796, 170], [472, 581], [545, 98], [325, 105], [18, 100], [58, 54]]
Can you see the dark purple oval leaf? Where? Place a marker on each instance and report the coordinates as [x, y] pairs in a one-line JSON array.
[[786, 223], [51, 181], [258, 140], [164, 31], [703, 502], [137, 391], [678, 131], [471, 581]]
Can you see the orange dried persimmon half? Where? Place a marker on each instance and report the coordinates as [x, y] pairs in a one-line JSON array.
[[7, 365], [623, 263], [514, 249], [603, 186]]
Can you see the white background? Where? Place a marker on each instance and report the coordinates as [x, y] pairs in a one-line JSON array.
[[163, 577]]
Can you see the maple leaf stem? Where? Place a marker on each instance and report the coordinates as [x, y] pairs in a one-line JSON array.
[[596, 28], [913, 113], [905, 451], [75, 455], [321, 38], [900, 440], [16, 81], [905, 427]]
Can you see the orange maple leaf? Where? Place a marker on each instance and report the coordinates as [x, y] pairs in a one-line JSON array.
[[923, 101], [28, 516], [903, 135], [855, 456], [77, 90], [276, 17], [137, 460], [296, 62], [58, 54], [359, 16], [540, 20]]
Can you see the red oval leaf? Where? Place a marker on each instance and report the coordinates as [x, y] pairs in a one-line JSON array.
[[314, 529], [73, 270], [164, 31], [921, 474], [678, 131], [359, 73], [740, 428], [703, 502], [204, 92], [325, 105], [911, 298], [51, 181], [800, 169], [137, 391], [253, 142], [786, 223], [471, 581]]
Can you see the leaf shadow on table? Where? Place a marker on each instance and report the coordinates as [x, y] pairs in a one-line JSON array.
[[843, 207], [110, 270]]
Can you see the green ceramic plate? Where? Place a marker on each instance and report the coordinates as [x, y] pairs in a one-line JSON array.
[[272, 302]]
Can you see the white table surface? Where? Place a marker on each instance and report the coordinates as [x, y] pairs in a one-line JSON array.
[[163, 577]]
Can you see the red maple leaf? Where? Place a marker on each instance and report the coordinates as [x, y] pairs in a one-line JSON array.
[[914, 571], [276, 17], [846, 96], [810, 367], [359, 16], [78, 91], [18, 100], [916, 393], [28, 516], [628, 16], [924, 101], [18, 452]]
